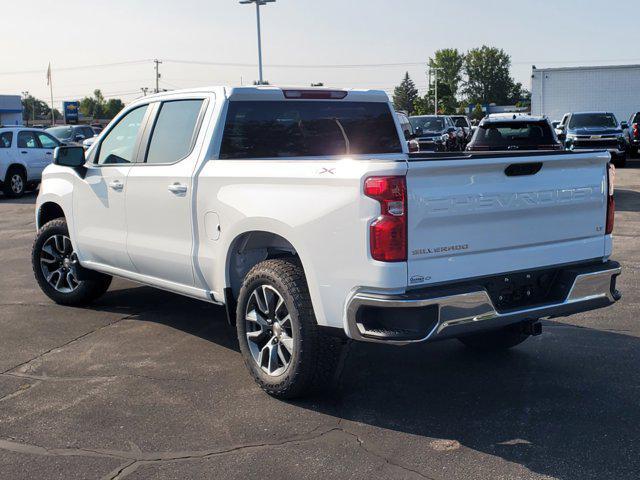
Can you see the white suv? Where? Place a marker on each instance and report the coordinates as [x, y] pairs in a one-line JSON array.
[[24, 153]]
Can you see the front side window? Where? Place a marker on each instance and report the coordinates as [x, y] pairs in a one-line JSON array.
[[174, 131], [5, 139], [27, 140], [298, 128], [118, 146], [46, 141]]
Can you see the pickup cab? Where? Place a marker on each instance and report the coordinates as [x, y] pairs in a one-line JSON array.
[[302, 211]]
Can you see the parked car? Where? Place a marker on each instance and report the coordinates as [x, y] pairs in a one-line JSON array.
[[86, 144], [435, 133], [633, 133], [303, 212], [514, 132], [595, 130], [72, 134], [408, 132], [24, 153], [465, 128]]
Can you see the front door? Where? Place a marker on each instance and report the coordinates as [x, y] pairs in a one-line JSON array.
[[99, 198], [159, 194], [29, 153]]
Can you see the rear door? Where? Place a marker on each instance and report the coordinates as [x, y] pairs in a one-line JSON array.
[[29, 153], [496, 214], [159, 193]]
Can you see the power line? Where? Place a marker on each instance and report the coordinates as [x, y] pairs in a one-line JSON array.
[[78, 67]]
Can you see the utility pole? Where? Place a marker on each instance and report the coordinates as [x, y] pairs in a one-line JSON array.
[[435, 73], [258, 4], [26, 96], [157, 68]]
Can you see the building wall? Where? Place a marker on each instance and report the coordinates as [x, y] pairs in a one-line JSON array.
[[557, 91], [10, 110]]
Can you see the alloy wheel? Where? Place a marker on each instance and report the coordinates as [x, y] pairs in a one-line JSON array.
[[17, 185], [269, 330], [59, 263]]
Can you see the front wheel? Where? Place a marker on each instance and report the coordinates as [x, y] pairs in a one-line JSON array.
[[283, 348], [57, 270], [495, 340]]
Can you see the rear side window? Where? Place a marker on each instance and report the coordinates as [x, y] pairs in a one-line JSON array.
[[27, 140], [5, 139], [497, 134], [636, 118], [308, 128], [174, 131]]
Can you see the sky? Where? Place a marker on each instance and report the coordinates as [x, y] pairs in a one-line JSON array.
[[111, 44]]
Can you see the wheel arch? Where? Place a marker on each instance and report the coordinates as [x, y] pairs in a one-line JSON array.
[[17, 166], [48, 211]]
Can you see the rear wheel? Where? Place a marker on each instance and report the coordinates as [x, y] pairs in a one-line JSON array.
[[283, 348], [496, 340], [57, 270], [15, 183]]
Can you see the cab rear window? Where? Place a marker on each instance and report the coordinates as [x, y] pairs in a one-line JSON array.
[[268, 129], [497, 134]]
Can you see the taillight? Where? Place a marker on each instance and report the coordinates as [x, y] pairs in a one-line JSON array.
[[315, 94], [636, 132], [388, 232], [611, 203]]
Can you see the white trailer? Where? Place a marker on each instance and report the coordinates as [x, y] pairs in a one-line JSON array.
[[556, 91]]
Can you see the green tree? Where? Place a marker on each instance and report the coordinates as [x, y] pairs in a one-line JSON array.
[[488, 76], [450, 62], [35, 109], [423, 105], [405, 95], [477, 113], [93, 106], [112, 107]]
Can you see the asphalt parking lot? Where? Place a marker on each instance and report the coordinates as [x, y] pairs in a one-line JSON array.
[[147, 384]]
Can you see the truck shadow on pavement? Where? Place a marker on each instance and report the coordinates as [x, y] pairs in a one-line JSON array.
[[565, 404], [627, 200]]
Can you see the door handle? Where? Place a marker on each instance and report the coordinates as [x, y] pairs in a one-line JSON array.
[[47, 153], [116, 185], [24, 152], [178, 188]]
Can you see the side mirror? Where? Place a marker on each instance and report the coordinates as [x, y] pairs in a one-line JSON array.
[[624, 125], [69, 157], [418, 131], [79, 138]]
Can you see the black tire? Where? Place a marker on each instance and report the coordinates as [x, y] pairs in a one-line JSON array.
[[315, 355], [495, 340], [82, 292], [15, 183]]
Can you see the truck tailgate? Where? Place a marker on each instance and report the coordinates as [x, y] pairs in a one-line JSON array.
[[482, 215]]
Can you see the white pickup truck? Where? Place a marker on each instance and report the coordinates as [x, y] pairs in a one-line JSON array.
[[303, 212]]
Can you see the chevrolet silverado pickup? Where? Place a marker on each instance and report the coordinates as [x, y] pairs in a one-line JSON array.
[[302, 211]]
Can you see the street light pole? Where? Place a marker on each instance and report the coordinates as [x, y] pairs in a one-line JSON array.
[[26, 97], [435, 73], [258, 4]]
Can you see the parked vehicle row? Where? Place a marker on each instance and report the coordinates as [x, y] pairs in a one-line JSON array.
[[305, 214]]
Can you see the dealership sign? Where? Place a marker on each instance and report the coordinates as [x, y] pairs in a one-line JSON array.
[[71, 112]]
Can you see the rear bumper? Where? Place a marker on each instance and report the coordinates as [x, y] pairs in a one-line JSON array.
[[454, 311]]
